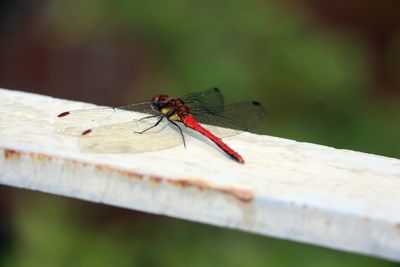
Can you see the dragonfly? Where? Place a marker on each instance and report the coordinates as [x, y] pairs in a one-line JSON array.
[[161, 123]]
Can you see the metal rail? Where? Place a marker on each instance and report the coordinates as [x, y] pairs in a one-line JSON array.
[[304, 192]]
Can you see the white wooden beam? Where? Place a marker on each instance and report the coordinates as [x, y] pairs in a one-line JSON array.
[[304, 192]]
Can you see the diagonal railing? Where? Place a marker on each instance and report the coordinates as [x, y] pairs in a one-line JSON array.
[[310, 193]]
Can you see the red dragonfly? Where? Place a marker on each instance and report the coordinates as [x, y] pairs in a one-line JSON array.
[[155, 124]]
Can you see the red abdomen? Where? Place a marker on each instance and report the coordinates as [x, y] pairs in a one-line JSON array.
[[193, 124]]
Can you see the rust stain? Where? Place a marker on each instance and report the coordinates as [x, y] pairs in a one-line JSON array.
[[42, 157], [199, 184], [240, 194], [156, 180], [11, 154], [106, 168]]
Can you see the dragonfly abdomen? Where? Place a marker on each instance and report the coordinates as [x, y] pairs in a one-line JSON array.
[[193, 124]]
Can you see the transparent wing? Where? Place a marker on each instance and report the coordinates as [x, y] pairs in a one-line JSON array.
[[221, 132], [76, 121], [141, 107], [208, 108], [241, 116], [124, 137], [211, 98]]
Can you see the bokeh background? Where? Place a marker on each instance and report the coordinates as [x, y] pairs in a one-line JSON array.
[[327, 71]]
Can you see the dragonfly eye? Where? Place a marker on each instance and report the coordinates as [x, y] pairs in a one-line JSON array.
[[158, 102]]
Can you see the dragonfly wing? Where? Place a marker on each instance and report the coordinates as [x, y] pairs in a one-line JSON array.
[[141, 107], [76, 121], [221, 132], [125, 137], [241, 116], [211, 98]]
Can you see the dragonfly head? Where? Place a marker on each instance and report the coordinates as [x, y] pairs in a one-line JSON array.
[[158, 102]]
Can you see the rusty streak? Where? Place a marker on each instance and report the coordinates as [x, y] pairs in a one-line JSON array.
[[240, 194], [11, 154]]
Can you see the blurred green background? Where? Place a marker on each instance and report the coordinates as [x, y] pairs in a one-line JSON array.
[[327, 71]]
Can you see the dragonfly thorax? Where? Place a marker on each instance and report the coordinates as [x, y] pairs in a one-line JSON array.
[[173, 108]]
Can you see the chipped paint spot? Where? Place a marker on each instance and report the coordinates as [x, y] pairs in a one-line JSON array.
[[240, 194]]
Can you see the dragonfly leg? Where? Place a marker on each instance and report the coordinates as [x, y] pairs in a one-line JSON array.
[[180, 130], [148, 117], [158, 122]]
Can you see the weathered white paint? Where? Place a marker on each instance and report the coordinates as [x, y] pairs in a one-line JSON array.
[[310, 193]]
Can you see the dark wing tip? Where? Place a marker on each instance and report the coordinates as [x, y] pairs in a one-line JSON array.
[[63, 114], [88, 131], [256, 103]]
